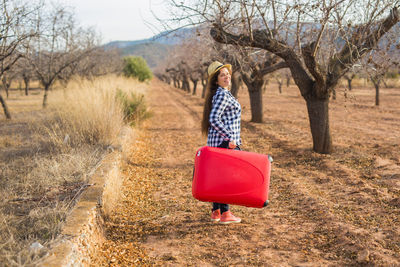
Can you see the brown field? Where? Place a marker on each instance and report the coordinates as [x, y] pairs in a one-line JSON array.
[[341, 209], [47, 156]]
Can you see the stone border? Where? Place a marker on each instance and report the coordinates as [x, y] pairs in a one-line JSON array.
[[82, 233]]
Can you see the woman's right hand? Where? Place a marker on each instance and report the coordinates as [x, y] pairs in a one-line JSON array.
[[232, 144]]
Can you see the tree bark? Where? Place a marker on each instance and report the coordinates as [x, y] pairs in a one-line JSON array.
[[256, 104], [6, 85], [194, 86], [288, 77], [26, 87], [203, 93], [280, 86], [377, 87], [185, 84], [318, 113], [349, 80], [46, 90], [5, 107], [236, 82]]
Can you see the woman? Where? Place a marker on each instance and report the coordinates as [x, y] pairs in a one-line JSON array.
[[221, 123]]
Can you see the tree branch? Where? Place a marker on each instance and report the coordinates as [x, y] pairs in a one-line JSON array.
[[262, 40], [277, 66], [353, 51], [312, 66]]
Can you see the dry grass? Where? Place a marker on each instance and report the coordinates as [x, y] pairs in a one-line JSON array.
[[47, 156]]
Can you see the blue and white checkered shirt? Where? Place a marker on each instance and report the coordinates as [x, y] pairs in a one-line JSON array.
[[224, 119]]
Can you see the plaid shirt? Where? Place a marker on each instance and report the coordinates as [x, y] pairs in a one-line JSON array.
[[224, 119]]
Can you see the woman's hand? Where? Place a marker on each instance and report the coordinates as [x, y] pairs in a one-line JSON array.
[[232, 144]]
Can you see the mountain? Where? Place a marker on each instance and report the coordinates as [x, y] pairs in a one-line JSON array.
[[153, 49]]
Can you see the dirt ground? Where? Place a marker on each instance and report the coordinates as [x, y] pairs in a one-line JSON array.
[[325, 210]]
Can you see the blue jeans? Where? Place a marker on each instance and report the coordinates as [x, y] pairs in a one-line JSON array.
[[221, 206]]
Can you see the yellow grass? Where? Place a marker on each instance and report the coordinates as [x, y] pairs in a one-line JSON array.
[[47, 156]]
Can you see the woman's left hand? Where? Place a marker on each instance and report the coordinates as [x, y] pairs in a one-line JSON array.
[[232, 145]]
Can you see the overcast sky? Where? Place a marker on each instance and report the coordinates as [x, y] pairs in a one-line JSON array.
[[118, 19]]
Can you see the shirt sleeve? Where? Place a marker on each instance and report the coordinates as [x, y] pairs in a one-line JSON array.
[[220, 102]]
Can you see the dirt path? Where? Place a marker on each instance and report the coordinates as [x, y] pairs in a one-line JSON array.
[[339, 209]]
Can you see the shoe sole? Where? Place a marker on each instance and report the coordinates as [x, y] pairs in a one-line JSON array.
[[215, 220], [228, 222]]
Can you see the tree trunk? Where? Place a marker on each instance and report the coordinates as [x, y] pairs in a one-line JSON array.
[[280, 86], [46, 90], [349, 84], [194, 87], [5, 107], [256, 103], [203, 93], [6, 89], [288, 77], [186, 85], [236, 83], [377, 87], [318, 114], [255, 88], [26, 87]]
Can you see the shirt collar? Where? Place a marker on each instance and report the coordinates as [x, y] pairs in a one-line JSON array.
[[223, 89]]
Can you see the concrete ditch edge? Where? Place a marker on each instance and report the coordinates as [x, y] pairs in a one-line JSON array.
[[82, 233]]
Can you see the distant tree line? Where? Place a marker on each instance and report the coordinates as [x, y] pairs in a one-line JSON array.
[[43, 42]]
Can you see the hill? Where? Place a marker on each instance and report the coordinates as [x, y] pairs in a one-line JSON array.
[[153, 49]]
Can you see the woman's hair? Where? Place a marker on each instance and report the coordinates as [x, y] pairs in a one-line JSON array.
[[211, 89]]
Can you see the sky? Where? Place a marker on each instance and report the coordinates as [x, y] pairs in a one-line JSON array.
[[122, 20]]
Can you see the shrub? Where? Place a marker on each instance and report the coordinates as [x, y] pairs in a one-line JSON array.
[[133, 106], [137, 67]]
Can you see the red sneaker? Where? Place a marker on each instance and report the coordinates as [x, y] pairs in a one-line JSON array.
[[216, 215], [228, 217]]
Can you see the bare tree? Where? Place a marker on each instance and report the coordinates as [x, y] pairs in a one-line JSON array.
[[100, 62], [25, 73], [58, 47], [377, 66], [382, 59], [302, 34], [279, 78], [7, 78], [17, 26], [190, 58], [253, 66], [89, 59], [349, 78]]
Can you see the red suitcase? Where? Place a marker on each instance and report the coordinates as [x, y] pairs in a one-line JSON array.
[[231, 176]]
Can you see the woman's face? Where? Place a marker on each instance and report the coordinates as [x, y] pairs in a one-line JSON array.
[[224, 78]]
